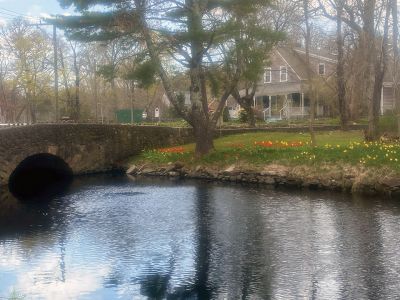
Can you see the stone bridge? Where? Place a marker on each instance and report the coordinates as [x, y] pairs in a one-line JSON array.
[[84, 148]]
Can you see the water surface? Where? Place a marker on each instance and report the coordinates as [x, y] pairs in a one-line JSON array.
[[111, 237]]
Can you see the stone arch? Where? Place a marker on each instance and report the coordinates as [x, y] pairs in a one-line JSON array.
[[39, 174]]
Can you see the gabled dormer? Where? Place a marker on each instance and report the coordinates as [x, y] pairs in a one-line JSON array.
[[279, 71]]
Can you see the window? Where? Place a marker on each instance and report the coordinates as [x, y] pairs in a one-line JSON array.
[[265, 100], [283, 74], [321, 69], [268, 75]]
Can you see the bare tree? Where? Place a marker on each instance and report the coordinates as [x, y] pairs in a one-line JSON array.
[[77, 71], [30, 52], [306, 10], [396, 90], [366, 19], [341, 80]]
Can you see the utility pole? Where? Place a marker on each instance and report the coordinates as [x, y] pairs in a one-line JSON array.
[[95, 91], [55, 71], [55, 65]]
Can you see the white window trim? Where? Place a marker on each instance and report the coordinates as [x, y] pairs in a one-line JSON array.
[[269, 70], [280, 74], [322, 64]]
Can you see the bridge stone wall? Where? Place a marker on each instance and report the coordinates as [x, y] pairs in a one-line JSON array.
[[86, 148]]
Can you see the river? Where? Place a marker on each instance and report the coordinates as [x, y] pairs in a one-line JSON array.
[[113, 237]]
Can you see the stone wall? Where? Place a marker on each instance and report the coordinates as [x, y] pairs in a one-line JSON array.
[[86, 148]]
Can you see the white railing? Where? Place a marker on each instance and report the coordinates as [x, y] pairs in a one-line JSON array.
[[265, 112], [283, 112], [286, 112]]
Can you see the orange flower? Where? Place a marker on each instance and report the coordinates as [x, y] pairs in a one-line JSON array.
[[172, 150], [264, 143]]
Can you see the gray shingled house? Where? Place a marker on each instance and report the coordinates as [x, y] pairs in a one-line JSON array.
[[282, 90]]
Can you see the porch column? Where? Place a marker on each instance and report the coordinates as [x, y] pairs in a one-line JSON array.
[[302, 104], [254, 102], [382, 100], [288, 108], [270, 108]]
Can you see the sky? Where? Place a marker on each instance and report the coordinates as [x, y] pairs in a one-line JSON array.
[[31, 8]]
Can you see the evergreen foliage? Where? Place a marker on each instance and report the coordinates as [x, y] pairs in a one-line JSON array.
[[204, 38]]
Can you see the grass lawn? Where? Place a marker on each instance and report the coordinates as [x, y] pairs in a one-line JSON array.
[[257, 149]]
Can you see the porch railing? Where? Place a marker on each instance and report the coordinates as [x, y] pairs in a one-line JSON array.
[[283, 112], [266, 112]]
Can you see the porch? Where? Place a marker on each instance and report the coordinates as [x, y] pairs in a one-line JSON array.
[[279, 107]]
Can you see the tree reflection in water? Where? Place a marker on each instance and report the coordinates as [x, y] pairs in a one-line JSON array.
[[110, 238]]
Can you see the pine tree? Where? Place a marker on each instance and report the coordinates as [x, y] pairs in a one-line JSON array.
[[193, 33]]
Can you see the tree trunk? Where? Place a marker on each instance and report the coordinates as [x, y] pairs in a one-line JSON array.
[[95, 92], [252, 118], [31, 111], [114, 105], [77, 90], [341, 85], [396, 91], [204, 138], [66, 86], [368, 45], [380, 69], [203, 128], [309, 74]]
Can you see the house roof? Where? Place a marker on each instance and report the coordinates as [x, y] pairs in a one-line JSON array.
[[321, 54], [325, 56], [294, 61]]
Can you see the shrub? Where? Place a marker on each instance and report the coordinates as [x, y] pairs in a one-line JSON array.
[[388, 123], [243, 116], [225, 115]]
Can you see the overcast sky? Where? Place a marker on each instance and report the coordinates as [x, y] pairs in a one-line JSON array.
[[34, 8]]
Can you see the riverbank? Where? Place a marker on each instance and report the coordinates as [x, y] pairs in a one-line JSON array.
[[341, 162], [341, 178]]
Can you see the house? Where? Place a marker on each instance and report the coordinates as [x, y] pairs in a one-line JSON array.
[[282, 91], [387, 94]]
